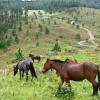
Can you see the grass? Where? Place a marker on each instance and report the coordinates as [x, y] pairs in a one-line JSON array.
[[46, 86]]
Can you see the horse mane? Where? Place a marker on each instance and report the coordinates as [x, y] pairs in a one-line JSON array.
[[57, 60]]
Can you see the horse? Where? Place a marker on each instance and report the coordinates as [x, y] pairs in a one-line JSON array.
[[76, 72], [25, 66], [67, 60], [70, 61], [35, 57]]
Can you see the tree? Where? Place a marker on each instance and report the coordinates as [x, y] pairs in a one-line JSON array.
[[47, 30], [19, 55], [78, 36], [56, 47]]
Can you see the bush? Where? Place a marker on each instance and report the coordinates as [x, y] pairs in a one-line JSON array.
[[78, 36], [37, 35], [37, 44], [19, 55], [16, 38], [27, 33], [55, 22], [30, 26], [56, 47], [20, 28], [13, 32], [47, 31], [64, 93], [40, 27], [5, 43]]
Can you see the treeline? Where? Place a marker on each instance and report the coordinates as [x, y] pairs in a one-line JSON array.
[[56, 5], [61, 4], [53, 4], [9, 16]]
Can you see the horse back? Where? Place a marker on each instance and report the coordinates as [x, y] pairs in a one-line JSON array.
[[24, 65], [90, 68]]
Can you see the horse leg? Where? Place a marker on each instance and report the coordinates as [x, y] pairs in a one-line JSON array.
[[95, 87], [31, 75], [26, 75], [22, 74], [61, 82], [69, 85]]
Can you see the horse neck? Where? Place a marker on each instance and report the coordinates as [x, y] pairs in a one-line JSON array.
[[17, 66], [57, 66], [31, 68]]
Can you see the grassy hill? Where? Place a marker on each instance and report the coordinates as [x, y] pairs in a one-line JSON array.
[[38, 37]]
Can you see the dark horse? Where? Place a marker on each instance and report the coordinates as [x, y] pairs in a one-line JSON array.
[[76, 72], [35, 57], [25, 66]]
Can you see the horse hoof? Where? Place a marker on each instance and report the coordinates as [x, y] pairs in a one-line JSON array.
[[95, 94]]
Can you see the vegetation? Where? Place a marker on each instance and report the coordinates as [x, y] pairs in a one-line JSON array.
[[56, 47], [36, 34], [19, 55]]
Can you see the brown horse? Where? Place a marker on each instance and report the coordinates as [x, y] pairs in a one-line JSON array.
[[69, 61], [76, 72], [35, 57]]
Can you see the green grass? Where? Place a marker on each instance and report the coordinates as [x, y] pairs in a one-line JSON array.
[[47, 85]]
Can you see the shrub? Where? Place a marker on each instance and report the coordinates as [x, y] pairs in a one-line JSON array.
[[30, 26], [27, 32], [55, 22], [13, 32], [19, 55], [5, 43], [56, 47], [78, 36], [37, 35], [40, 27], [64, 93], [47, 31], [37, 44], [16, 38]]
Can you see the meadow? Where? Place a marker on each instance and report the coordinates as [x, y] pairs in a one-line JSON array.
[[46, 86]]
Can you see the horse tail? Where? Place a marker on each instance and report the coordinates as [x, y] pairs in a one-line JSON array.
[[33, 69], [98, 72]]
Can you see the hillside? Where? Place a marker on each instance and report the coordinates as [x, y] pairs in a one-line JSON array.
[[59, 27], [37, 33]]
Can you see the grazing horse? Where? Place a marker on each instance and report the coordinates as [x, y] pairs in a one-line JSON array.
[[76, 72], [25, 66], [35, 57]]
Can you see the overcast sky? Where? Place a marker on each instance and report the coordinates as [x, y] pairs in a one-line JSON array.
[[28, 0]]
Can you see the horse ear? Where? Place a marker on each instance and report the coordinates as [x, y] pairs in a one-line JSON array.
[[47, 59], [30, 55], [75, 60], [67, 59]]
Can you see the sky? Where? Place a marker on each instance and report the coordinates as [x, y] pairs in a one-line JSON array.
[[28, 0]]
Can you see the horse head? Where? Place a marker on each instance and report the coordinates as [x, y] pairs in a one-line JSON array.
[[47, 66], [15, 69]]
